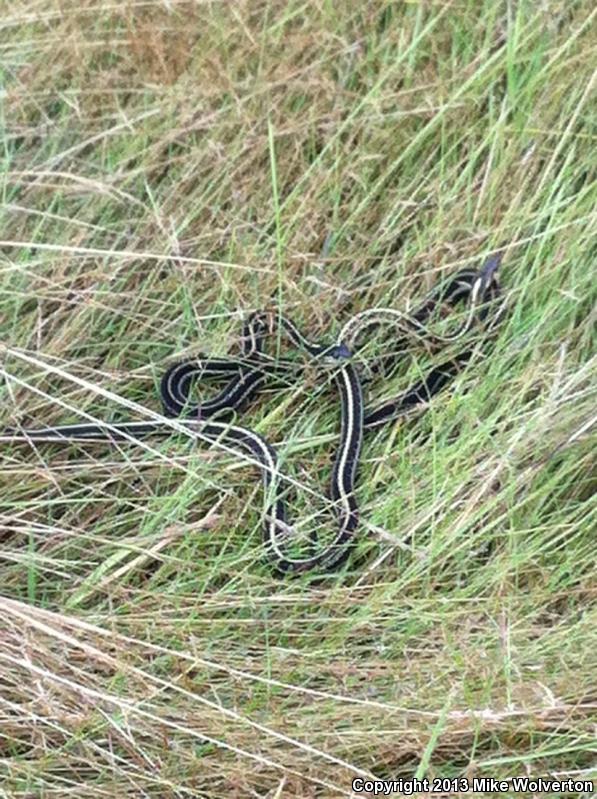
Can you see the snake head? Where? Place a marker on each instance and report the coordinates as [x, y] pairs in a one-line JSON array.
[[331, 356], [339, 351], [487, 273]]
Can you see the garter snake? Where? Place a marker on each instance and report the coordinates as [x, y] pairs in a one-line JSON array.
[[247, 374]]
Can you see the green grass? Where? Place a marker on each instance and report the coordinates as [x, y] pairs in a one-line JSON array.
[[168, 167]]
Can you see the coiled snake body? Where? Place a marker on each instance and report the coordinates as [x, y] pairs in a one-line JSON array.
[[246, 375]]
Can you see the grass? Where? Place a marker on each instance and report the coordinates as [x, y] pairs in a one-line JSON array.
[[168, 167]]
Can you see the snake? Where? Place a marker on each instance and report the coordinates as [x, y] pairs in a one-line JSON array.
[[247, 374]]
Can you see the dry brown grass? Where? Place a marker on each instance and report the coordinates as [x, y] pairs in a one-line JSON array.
[[144, 649]]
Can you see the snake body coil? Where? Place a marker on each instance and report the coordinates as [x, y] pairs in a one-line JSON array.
[[245, 376]]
